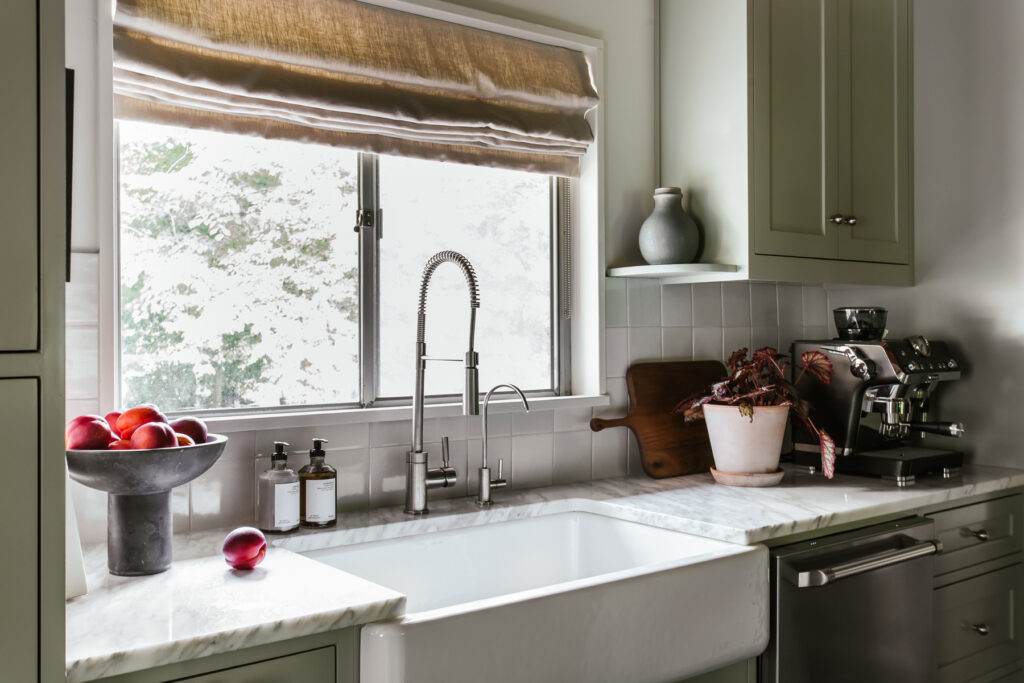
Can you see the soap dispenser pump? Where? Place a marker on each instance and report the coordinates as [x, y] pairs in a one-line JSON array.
[[318, 490], [277, 495]]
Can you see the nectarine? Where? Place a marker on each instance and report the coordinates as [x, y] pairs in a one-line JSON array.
[[111, 419], [153, 435], [192, 427], [244, 548], [91, 433], [185, 440], [121, 445], [133, 418]]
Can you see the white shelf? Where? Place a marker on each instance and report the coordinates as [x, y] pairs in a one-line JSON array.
[[680, 273]]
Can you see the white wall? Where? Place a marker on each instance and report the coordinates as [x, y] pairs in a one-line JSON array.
[[969, 215]]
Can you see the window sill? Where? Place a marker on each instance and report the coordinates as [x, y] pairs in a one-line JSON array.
[[255, 420]]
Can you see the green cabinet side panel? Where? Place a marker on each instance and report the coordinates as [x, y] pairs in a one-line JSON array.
[[19, 489], [19, 222]]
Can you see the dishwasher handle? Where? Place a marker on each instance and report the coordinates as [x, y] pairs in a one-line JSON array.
[[827, 575]]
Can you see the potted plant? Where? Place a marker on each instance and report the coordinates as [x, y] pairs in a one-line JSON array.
[[746, 412]]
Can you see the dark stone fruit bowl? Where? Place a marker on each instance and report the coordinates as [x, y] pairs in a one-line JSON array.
[[132, 473], [138, 485]]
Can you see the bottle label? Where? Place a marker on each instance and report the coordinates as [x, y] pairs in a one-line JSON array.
[[286, 505], [321, 503]]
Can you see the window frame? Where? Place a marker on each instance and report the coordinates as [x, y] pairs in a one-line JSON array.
[[584, 371], [369, 228]]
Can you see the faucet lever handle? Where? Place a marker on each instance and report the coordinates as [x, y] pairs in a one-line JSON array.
[[445, 456], [500, 462]]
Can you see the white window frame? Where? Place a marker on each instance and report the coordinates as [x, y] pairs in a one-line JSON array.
[[583, 343]]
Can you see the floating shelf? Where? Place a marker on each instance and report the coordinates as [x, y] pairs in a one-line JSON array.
[[680, 273]]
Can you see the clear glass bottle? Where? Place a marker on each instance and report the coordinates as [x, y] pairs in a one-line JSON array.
[[318, 490], [277, 494]]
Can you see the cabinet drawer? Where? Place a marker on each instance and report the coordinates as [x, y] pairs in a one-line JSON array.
[[977, 624], [977, 533], [314, 666]]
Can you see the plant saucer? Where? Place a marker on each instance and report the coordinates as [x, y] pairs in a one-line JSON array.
[[748, 478]]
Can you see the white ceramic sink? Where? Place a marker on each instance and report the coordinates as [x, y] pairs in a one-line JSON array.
[[574, 596]]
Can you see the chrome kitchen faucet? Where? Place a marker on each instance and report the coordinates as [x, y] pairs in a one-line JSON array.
[[419, 478], [483, 495]]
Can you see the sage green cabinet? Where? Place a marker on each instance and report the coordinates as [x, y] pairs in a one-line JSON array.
[[315, 666], [19, 195], [788, 125]]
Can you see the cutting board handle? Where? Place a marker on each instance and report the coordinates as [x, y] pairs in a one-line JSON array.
[[597, 424]]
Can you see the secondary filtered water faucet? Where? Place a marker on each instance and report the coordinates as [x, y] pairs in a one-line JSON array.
[[484, 486], [418, 477]]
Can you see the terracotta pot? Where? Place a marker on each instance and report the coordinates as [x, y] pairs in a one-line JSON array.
[[742, 445]]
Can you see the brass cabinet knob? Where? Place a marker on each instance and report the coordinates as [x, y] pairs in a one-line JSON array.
[[850, 220], [980, 629], [838, 219]]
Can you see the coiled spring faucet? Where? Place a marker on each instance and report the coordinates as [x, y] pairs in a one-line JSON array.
[[418, 477]]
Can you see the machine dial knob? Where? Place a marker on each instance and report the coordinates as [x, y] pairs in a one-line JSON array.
[[921, 345], [912, 366]]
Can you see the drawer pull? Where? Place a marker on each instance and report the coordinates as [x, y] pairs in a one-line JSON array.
[[980, 534], [980, 629]]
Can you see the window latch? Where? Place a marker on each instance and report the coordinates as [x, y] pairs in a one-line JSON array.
[[364, 219]]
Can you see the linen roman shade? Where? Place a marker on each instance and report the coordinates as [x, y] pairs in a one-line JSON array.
[[355, 75]]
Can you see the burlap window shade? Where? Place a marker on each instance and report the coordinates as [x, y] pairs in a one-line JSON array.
[[356, 75]]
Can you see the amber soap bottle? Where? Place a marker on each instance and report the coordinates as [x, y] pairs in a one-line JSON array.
[[318, 484]]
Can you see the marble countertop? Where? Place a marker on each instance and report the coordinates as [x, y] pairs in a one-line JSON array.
[[200, 607]]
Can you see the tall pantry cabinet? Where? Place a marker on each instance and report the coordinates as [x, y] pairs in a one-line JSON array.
[[32, 271]]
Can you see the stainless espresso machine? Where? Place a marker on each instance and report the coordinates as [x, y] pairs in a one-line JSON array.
[[876, 407]]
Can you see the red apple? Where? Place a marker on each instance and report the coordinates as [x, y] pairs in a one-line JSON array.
[[133, 418], [92, 434], [111, 419], [244, 548], [154, 435], [121, 445], [185, 440], [191, 426]]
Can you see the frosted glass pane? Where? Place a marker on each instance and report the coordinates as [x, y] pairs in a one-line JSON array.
[[501, 221], [239, 271]]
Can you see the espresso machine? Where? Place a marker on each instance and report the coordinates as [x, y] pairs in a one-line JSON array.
[[876, 406]]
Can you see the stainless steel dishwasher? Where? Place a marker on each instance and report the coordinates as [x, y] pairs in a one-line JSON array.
[[854, 607]]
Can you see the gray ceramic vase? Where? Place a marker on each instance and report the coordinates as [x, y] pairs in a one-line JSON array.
[[669, 234]]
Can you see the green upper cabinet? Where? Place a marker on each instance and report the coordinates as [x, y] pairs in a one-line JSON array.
[[788, 125]]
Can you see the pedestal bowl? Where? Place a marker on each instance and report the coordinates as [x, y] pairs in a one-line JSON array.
[[138, 484]]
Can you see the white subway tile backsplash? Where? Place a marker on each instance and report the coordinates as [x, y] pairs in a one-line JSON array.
[[735, 304], [707, 343], [452, 427], [643, 298], [531, 460], [761, 337], [353, 486], [571, 457], [791, 306], [615, 312], [619, 399], [764, 305], [572, 419], [617, 351], [533, 422], [81, 295], [400, 432], [735, 338], [81, 406], [609, 453], [677, 305], [707, 305], [498, 424], [82, 368], [677, 343], [815, 306], [644, 344], [223, 496], [387, 475], [301, 438]]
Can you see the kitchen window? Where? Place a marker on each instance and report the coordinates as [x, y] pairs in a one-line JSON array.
[[240, 272]]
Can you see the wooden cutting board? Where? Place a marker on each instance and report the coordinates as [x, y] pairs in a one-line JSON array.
[[668, 446]]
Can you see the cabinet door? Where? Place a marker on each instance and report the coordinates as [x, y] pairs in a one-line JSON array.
[[19, 259], [315, 666], [874, 174], [19, 500], [794, 148]]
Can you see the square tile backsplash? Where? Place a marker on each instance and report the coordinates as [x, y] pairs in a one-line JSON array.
[[644, 321]]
